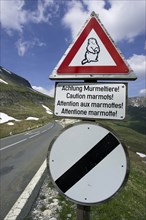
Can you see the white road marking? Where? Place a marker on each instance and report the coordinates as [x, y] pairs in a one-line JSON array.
[[44, 130], [13, 144], [28, 195], [30, 133], [34, 135]]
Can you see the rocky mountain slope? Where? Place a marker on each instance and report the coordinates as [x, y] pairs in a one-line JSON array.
[[11, 78], [16, 89], [139, 101]]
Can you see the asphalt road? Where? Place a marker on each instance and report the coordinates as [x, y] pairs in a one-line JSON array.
[[20, 158]]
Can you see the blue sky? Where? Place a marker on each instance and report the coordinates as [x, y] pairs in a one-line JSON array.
[[36, 33]]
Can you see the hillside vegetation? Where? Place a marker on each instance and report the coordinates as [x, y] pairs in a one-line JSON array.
[[20, 101]]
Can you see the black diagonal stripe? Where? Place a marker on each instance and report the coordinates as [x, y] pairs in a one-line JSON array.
[[87, 162]]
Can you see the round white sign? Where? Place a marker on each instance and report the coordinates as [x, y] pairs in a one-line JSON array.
[[87, 163]]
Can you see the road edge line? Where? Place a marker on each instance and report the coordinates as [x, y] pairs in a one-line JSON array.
[[22, 206]]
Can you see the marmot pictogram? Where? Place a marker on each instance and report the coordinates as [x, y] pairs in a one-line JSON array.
[[92, 51]]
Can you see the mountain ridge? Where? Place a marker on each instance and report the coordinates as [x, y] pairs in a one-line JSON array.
[[15, 88], [9, 78], [137, 101], [13, 79]]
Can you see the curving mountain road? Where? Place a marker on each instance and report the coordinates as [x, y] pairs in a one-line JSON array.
[[20, 158]]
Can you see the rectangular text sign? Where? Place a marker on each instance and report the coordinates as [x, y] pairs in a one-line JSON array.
[[88, 100]]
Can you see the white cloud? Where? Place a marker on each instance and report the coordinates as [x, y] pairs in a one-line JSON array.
[[142, 92], [23, 46], [75, 17], [123, 20], [39, 15], [138, 64], [126, 19], [15, 17], [44, 91]]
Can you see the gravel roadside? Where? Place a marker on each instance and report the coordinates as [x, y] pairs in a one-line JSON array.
[[46, 206]]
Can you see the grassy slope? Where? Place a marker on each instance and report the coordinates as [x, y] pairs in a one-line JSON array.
[[21, 103]]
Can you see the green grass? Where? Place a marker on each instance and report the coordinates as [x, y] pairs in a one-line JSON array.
[[68, 208], [18, 127], [134, 140], [20, 103], [21, 111], [28, 218]]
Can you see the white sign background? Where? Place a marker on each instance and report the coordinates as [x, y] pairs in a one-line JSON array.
[[104, 59], [87, 100]]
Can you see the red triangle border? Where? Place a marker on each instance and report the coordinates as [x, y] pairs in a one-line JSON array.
[[120, 68]]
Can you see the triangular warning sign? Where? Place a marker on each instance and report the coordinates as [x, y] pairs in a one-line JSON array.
[[93, 53]]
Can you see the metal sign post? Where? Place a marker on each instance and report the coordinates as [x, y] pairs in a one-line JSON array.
[[83, 212], [87, 162]]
